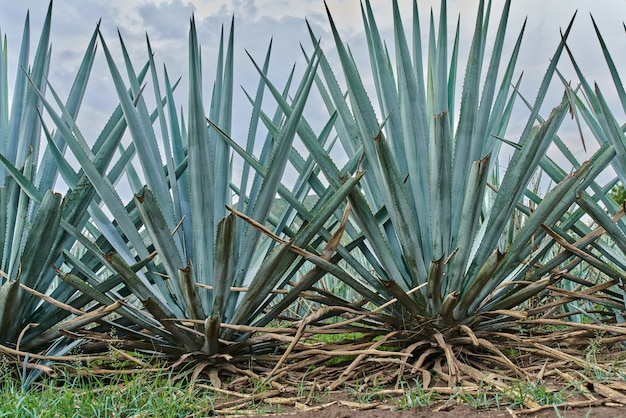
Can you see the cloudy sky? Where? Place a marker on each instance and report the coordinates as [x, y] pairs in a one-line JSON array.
[[256, 22]]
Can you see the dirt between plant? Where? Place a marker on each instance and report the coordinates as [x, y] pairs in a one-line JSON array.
[[337, 410], [342, 405]]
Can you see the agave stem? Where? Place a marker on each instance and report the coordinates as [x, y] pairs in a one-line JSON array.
[[433, 291], [194, 304], [211, 334], [447, 307]]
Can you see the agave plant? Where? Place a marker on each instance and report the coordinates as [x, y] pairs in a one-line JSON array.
[[455, 254], [605, 255], [33, 219], [203, 279], [435, 250]]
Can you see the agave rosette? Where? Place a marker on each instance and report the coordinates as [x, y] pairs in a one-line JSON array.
[[452, 249], [203, 279]]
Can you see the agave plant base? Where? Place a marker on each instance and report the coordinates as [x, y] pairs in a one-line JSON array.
[[317, 357], [495, 352], [484, 363]]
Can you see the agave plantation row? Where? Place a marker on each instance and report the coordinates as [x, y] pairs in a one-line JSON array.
[[419, 225]]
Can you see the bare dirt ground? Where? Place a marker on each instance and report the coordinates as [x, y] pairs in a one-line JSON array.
[[341, 404], [337, 410]]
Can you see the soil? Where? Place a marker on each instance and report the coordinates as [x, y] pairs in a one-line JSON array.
[[337, 410], [342, 405]]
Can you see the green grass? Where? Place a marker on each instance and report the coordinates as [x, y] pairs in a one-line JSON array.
[[540, 393], [136, 395], [415, 395]]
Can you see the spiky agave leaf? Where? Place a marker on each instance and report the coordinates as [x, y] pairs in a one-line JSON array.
[[201, 254], [598, 115], [36, 238], [37, 309], [422, 205]]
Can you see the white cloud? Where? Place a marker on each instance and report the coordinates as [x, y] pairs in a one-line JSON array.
[[167, 23]]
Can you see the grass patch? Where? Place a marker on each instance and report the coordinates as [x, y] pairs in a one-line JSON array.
[[138, 394], [415, 395]]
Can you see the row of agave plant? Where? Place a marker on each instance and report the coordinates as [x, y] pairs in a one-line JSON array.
[[413, 224]]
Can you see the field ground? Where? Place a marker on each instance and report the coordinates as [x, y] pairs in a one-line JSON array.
[[337, 410], [345, 404], [146, 394], [524, 377]]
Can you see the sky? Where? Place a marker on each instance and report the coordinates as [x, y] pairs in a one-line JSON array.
[[166, 22]]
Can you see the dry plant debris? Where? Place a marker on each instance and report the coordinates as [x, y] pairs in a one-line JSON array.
[[313, 360]]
